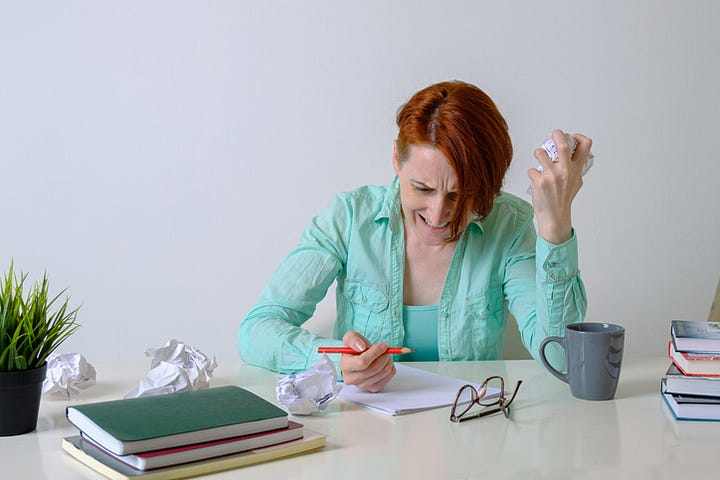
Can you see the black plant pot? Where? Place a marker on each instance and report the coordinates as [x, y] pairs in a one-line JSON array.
[[20, 393]]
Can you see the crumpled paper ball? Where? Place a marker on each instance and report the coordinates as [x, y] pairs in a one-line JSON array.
[[176, 367], [67, 374], [310, 391], [551, 149]]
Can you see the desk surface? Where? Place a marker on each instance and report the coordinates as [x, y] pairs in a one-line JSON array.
[[551, 434]]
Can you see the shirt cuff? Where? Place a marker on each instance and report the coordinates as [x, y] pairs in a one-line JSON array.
[[334, 357], [559, 262]]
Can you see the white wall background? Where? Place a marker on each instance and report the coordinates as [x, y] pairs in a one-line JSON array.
[[161, 157]]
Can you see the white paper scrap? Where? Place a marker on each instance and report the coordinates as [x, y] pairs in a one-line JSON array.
[[310, 391], [67, 374], [176, 367]]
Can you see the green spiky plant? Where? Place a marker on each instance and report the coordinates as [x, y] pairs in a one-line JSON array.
[[29, 331]]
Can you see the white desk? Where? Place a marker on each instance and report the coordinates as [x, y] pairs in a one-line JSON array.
[[551, 434]]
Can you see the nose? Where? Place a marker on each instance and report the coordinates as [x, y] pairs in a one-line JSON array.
[[440, 209]]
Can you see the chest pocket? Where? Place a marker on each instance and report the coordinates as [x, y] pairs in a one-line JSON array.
[[366, 305], [486, 315]]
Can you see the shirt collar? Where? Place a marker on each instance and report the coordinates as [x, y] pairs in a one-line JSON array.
[[477, 223], [391, 201]]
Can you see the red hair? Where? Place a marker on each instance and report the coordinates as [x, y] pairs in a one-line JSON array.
[[463, 123]]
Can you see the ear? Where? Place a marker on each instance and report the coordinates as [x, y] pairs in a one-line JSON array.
[[396, 162]]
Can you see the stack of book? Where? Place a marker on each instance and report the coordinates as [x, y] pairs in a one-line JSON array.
[[691, 386], [185, 434]]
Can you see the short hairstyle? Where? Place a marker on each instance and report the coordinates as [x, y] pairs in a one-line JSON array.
[[463, 123]]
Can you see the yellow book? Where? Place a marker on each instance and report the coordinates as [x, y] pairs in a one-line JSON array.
[[110, 467]]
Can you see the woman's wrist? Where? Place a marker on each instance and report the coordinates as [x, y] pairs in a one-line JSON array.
[[555, 232]]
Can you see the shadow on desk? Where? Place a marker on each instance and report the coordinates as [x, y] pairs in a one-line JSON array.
[[635, 389]]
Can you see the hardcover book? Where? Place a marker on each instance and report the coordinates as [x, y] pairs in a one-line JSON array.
[[114, 469], [690, 363], [690, 336], [687, 410], [164, 421], [680, 384], [202, 451]]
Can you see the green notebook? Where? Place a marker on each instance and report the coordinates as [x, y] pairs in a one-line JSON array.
[[164, 421]]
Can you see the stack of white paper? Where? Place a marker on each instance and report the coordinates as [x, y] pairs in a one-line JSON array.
[[411, 390]]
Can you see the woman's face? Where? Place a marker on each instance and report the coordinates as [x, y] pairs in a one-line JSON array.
[[428, 193]]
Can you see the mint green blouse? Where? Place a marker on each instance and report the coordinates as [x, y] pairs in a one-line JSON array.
[[499, 266]]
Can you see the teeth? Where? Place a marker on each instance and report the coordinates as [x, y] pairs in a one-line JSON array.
[[433, 225]]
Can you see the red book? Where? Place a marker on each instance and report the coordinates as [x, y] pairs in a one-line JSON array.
[[698, 364], [203, 451]]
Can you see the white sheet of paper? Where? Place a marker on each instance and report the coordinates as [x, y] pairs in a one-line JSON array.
[[411, 390]]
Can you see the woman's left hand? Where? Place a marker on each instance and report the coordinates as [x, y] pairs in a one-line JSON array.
[[554, 189]]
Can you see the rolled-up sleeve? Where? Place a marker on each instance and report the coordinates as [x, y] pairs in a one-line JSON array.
[[271, 335], [544, 291]]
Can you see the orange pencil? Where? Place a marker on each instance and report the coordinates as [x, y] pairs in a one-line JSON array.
[[350, 351]]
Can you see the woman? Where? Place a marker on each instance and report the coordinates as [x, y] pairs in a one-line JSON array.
[[436, 260]]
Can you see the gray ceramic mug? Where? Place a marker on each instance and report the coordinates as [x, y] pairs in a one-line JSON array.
[[594, 355]]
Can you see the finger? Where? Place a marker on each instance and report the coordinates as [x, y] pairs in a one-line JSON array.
[[543, 159], [355, 341], [356, 372], [383, 381], [533, 174], [365, 360], [562, 145], [377, 381], [582, 153], [584, 144]]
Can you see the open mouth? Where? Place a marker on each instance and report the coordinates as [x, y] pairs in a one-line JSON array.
[[432, 225]]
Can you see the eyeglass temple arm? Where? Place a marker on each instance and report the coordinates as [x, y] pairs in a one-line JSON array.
[[517, 387]]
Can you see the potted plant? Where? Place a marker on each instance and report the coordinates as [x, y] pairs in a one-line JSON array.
[[29, 332]]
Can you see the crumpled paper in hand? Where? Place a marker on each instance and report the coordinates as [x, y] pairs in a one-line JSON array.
[[176, 367], [551, 149], [310, 391], [67, 374]]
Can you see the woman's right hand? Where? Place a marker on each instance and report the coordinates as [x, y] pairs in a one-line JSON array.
[[370, 370]]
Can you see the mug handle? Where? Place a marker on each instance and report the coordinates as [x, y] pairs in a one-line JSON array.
[[545, 343]]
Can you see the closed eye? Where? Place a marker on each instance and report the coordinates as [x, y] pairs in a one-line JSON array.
[[421, 187]]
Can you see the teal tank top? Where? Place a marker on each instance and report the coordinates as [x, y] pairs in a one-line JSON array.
[[421, 327]]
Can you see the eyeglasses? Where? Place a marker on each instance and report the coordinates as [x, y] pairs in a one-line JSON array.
[[468, 396]]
